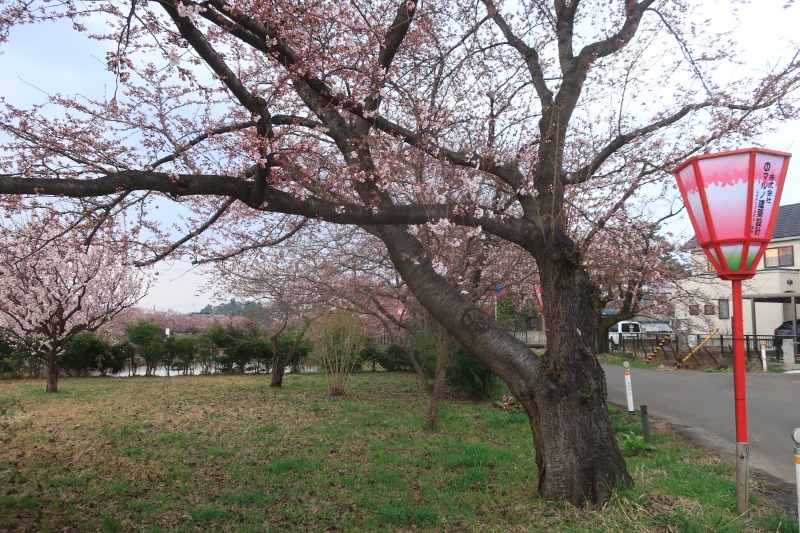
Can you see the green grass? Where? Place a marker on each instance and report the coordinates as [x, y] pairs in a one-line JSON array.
[[228, 453], [617, 358]]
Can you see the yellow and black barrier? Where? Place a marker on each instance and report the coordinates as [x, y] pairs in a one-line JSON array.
[[657, 348], [699, 345]]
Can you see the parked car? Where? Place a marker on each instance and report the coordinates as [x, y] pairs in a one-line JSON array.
[[627, 329], [784, 331]]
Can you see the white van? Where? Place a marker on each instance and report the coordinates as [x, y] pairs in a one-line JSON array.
[[656, 328], [627, 329]]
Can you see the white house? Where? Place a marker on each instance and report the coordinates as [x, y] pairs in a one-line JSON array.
[[705, 300]]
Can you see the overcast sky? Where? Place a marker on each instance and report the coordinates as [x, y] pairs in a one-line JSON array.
[[52, 58]]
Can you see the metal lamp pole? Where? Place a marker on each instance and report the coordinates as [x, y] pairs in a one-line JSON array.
[[740, 398]]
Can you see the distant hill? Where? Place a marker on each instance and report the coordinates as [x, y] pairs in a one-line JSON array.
[[232, 308]]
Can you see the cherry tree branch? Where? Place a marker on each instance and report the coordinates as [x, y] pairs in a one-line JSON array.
[[107, 208], [265, 38], [189, 236], [591, 52], [265, 244], [529, 55], [277, 201], [684, 49], [221, 130], [586, 172], [254, 104]]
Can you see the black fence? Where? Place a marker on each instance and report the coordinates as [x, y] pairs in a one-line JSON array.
[[534, 339], [696, 348], [682, 349]]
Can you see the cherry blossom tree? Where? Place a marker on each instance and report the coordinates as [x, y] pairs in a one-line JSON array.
[[290, 305], [53, 288], [502, 117], [631, 263], [348, 269]]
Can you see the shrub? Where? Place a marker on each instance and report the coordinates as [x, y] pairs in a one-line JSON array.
[[369, 356], [393, 358], [87, 351], [20, 357], [149, 340], [468, 376], [465, 374], [339, 341]]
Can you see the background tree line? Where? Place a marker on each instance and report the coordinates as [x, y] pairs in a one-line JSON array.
[[145, 347], [229, 348]]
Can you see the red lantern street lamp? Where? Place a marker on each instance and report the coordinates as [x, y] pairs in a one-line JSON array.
[[732, 200]]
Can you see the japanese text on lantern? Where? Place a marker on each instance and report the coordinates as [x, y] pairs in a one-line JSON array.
[[762, 197]]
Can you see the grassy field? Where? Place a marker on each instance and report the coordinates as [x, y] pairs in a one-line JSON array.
[[227, 453]]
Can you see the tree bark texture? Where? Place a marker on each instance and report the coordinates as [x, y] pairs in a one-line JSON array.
[[52, 371], [577, 451], [277, 363]]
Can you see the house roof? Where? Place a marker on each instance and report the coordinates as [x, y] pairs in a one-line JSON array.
[[787, 224]]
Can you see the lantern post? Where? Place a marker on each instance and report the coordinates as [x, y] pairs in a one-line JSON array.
[[732, 199]]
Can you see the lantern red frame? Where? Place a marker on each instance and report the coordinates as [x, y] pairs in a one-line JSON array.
[[752, 239]]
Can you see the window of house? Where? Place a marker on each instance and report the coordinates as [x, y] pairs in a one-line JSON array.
[[724, 310], [779, 257], [694, 309], [708, 309]]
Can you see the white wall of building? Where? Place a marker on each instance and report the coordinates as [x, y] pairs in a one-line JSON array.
[[705, 291]]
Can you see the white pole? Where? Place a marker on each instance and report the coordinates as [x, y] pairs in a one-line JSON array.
[[628, 388], [796, 438], [764, 355], [797, 476]]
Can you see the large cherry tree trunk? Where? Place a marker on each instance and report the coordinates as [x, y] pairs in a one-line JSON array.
[[279, 360], [577, 451], [563, 391]]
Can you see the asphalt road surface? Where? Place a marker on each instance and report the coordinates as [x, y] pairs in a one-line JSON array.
[[701, 405]]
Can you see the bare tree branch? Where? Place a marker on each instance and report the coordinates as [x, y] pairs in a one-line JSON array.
[[189, 236], [265, 244]]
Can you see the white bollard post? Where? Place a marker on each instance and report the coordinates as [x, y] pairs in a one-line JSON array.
[[796, 438], [628, 388], [764, 355]]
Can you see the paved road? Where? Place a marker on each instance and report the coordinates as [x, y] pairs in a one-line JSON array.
[[701, 406]]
